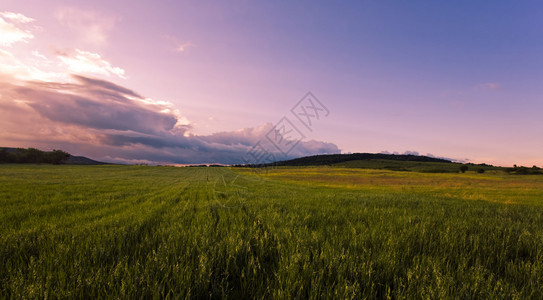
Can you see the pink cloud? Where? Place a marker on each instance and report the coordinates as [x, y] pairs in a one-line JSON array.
[[84, 62], [489, 86], [36, 66], [16, 17], [11, 31], [178, 45], [90, 27]]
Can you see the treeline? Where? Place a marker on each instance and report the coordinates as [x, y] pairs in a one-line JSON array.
[[32, 156], [524, 170], [212, 166]]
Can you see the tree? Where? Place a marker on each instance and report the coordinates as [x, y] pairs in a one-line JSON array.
[[56, 157], [4, 156], [31, 155], [463, 168]]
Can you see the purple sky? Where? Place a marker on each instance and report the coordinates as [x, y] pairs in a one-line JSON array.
[[201, 81]]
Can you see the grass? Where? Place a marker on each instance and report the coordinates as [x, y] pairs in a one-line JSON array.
[[416, 166], [323, 232]]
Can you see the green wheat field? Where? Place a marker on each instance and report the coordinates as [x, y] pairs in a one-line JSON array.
[[133, 232]]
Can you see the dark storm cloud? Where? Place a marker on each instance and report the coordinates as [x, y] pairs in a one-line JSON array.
[[83, 105], [91, 82]]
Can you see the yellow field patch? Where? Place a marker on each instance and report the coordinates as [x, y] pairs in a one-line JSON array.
[[492, 187]]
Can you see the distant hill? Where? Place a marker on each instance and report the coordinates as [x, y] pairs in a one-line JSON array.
[[330, 159], [82, 160], [393, 162]]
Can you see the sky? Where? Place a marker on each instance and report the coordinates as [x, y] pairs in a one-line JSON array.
[[245, 81]]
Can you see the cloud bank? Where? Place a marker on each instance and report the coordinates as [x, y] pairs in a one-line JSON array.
[[110, 122], [72, 108]]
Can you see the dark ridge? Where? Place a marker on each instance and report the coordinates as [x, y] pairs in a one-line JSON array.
[[329, 159], [82, 160]]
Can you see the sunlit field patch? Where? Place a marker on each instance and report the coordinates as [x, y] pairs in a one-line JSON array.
[[496, 186]]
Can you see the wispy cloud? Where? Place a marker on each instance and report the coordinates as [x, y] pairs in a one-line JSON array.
[[84, 62], [13, 69], [179, 46], [183, 46], [37, 66], [17, 17], [93, 27], [11, 31], [489, 86]]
